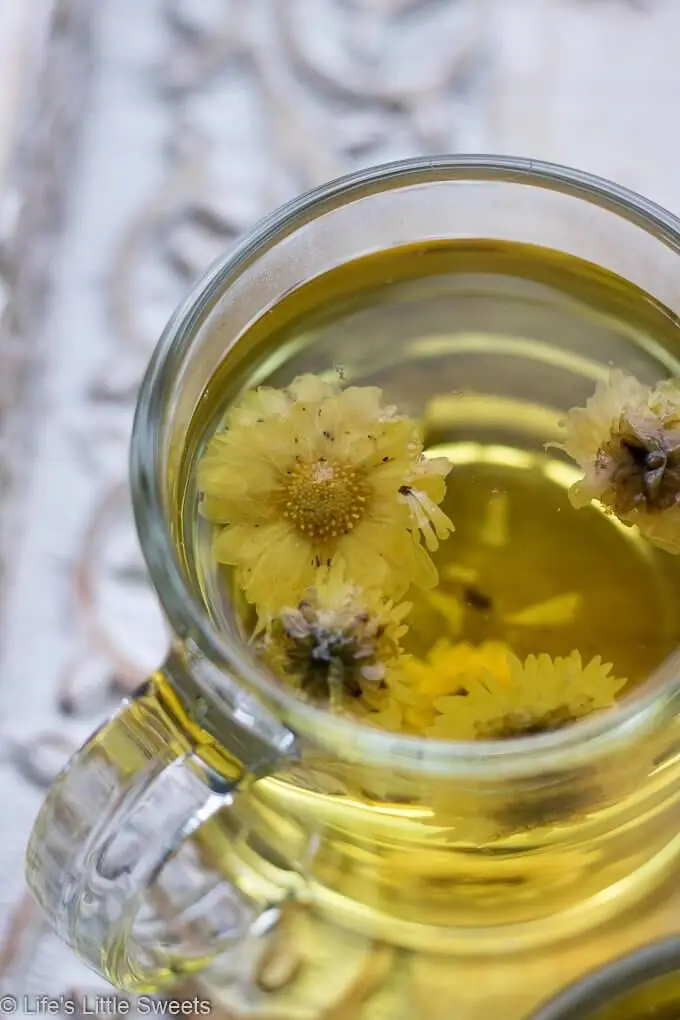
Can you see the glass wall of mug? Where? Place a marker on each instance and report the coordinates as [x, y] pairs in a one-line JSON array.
[[216, 794]]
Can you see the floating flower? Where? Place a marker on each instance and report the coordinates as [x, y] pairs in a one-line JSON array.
[[627, 441], [535, 696], [338, 642], [317, 477]]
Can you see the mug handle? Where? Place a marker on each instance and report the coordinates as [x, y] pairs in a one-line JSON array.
[[115, 857]]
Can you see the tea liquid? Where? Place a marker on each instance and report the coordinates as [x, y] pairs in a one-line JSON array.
[[487, 345]]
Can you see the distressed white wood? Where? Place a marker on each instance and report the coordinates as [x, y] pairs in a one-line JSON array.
[[594, 84], [43, 74]]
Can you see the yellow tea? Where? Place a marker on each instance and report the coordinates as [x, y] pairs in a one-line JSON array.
[[486, 346]]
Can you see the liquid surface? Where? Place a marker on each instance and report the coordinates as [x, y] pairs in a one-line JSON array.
[[486, 346]]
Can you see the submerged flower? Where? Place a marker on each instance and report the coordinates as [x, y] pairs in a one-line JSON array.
[[313, 477], [535, 696], [627, 441], [339, 641], [408, 701]]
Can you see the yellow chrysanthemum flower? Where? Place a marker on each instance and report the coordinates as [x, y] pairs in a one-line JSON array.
[[535, 696], [627, 442], [314, 476], [337, 643], [407, 702]]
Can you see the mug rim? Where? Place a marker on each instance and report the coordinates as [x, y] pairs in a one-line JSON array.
[[604, 985], [188, 618]]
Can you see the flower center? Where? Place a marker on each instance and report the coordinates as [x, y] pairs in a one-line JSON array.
[[647, 472], [325, 500], [521, 723]]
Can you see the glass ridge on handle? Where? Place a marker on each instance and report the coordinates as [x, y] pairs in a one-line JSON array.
[[116, 858]]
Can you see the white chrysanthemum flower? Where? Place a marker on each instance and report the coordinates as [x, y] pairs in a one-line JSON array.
[[337, 643], [626, 440]]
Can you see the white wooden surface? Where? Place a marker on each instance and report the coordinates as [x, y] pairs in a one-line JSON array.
[[203, 115], [593, 84]]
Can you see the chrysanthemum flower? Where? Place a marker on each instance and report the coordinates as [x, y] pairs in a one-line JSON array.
[[413, 689], [627, 441], [337, 643], [314, 476], [535, 696]]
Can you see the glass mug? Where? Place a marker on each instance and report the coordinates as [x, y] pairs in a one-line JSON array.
[[214, 797]]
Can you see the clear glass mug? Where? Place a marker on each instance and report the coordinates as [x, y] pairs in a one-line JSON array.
[[214, 796]]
